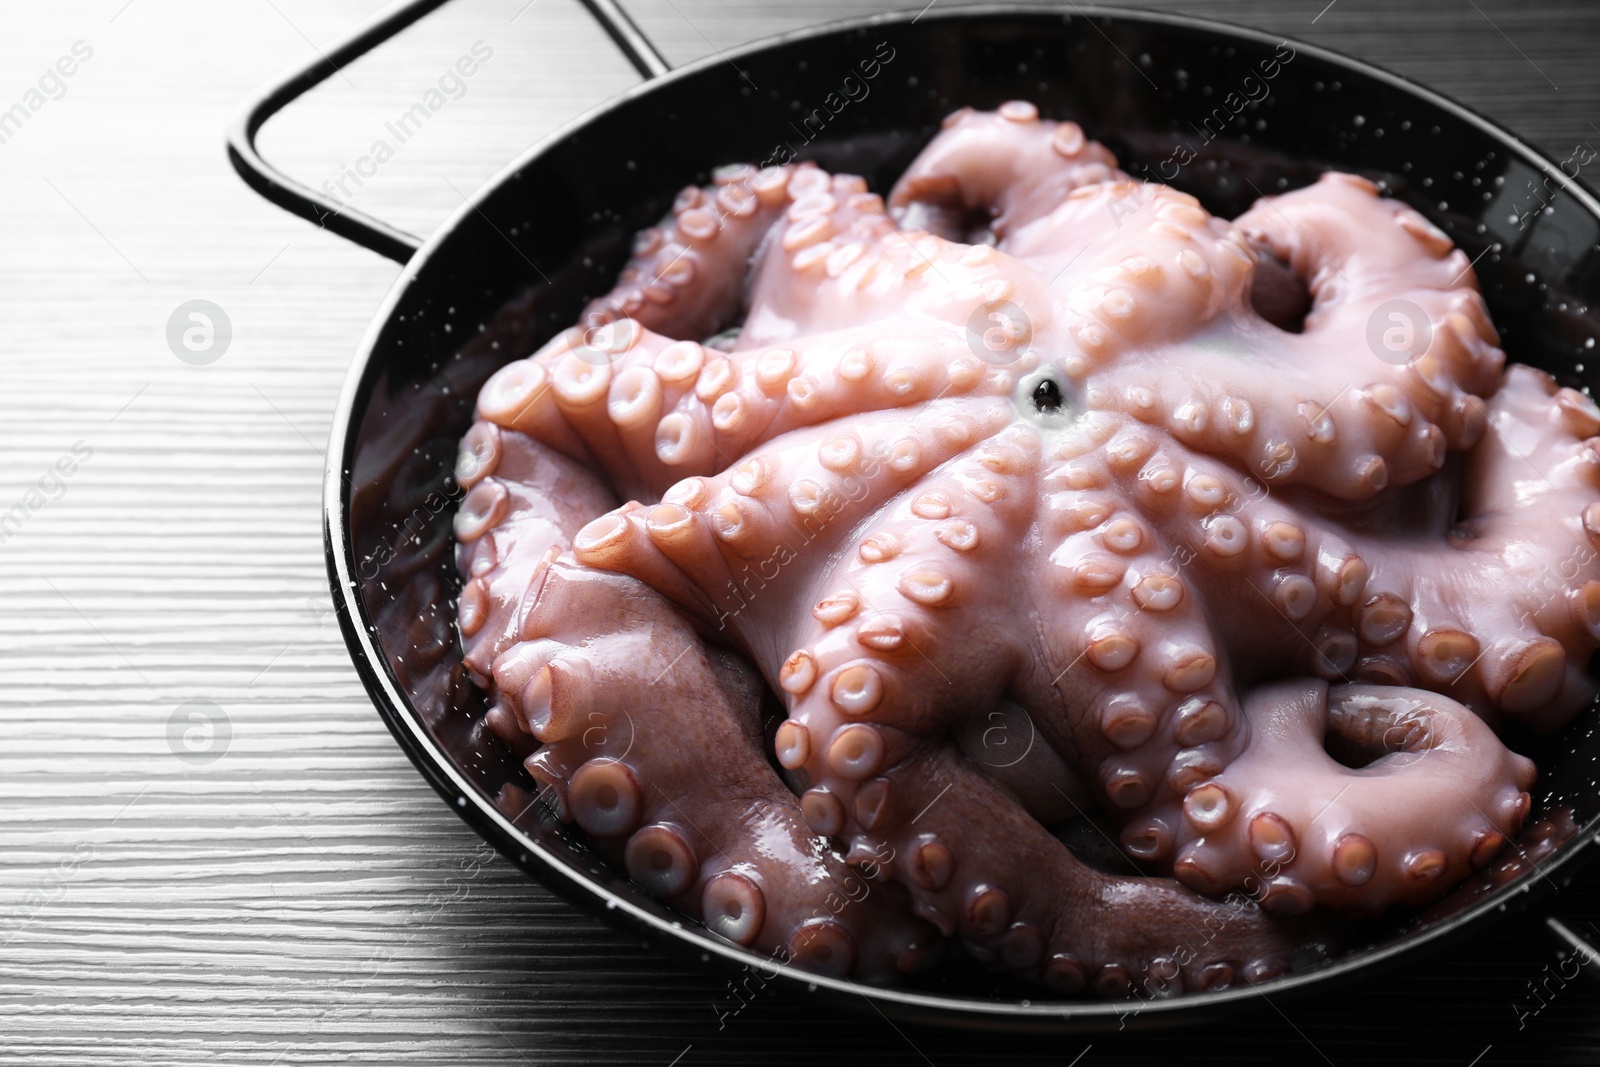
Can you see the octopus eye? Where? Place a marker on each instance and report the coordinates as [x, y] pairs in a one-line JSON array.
[[1047, 396]]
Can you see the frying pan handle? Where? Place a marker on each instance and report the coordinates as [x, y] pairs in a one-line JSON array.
[[357, 226]]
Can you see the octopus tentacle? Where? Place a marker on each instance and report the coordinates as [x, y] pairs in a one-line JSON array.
[[584, 394], [799, 497], [1009, 167], [686, 276], [573, 658], [631, 396], [905, 637], [723, 838], [1440, 800], [826, 262], [1143, 264], [1353, 422], [727, 841], [1486, 620], [1031, 906], [524, 503], [1526, 607], [1140, 660], [1409, 400], [518, 398], [777, 390]]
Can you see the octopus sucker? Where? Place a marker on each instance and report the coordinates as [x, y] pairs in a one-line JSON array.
[[1025, 490], [1041, 886], [653, 541], [1339, 835], [741, 856], [518, 397]]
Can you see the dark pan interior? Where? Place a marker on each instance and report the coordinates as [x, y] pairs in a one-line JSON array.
[[554, 229]]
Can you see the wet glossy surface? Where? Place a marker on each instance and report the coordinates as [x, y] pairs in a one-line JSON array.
[[1538, 279], [307, 898]]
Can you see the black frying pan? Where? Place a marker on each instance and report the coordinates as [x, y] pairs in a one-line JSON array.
[[517, 262]]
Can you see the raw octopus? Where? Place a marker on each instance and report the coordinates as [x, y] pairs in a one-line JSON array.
[[1034, 493]]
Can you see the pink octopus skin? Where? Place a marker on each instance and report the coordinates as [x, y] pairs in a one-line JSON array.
[[1022, 507]]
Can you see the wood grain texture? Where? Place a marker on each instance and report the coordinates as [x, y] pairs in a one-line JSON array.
[[305, 898]]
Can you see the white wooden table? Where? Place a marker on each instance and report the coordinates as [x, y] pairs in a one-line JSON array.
[[284, 888]]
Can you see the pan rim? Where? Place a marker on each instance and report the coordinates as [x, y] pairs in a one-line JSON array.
[[554, 872]]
